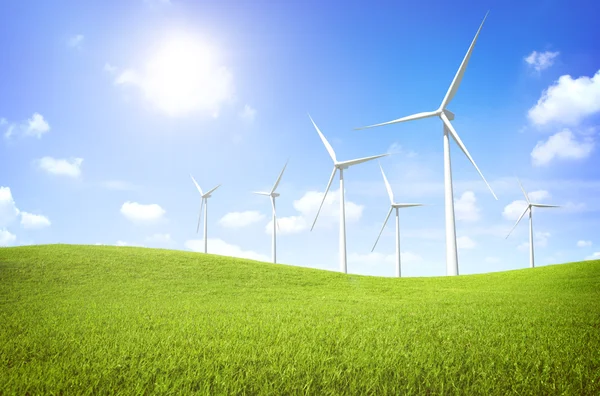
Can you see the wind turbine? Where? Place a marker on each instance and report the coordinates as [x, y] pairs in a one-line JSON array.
[[529, 208], [274, 195], [396, 206], [446, 116], [204, 199], [339, 165]]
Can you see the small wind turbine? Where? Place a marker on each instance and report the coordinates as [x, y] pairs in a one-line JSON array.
[[274, 195], [446, 116], [204, 198], [339, 166], [529, 208], [396, 206]]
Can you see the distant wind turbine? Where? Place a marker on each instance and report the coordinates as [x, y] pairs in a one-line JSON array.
[[529, 208], [396, 206], [446, 116], [204, 198], [339, 166], [274, 195]]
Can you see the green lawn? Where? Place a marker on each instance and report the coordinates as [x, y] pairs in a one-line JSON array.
[[105, 320]]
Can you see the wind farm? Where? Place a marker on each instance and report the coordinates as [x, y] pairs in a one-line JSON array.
[[106, 288]]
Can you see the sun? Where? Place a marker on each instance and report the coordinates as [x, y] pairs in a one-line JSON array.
[[183, 75]]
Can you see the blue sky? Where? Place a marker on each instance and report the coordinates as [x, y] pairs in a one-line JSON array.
[[107, 106]]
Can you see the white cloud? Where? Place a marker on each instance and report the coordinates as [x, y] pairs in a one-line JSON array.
[[568, 101], [540, 239], [184, 76], [220, 247], [563, 145], [541, 60], [594, 256], [76, 41], [8, 208], [37, 126], [466, 208], [464, 242], [141, 213], [538, 196], [513, 210], [62, 167], [160, 239], [6, 238], [376, 258], [288, 225], [248, 114], [34, 126], [584, 243], [33, 221], [241, 219], [330, 213]]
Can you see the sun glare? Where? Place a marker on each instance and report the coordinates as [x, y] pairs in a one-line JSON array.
[[183, 75]]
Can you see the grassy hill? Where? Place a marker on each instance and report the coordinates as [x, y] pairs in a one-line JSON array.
[[102, 319]]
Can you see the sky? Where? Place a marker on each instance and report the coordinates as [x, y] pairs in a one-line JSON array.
[[107, 107]]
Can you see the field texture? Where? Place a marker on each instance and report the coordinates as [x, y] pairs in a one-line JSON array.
[[103, 320]]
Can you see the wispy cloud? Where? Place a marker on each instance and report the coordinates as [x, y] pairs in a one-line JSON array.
[[220, 247], [241, 219], [584, 243], [541, 60], [61, 167], [248, 113], [34, 126], [142, 213]]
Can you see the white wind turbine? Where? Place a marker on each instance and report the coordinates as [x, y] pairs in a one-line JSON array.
[[529, 208], [396, 206], [204, 199], [274, 195], [446, 116], [341, 165]]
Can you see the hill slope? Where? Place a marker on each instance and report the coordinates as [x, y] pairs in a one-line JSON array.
[[101, 319]]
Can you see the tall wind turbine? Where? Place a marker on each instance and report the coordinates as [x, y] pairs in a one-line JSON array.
[[529, 208], [274, 195], [341, 165], [446, 116], [396, 206], [205, 204]]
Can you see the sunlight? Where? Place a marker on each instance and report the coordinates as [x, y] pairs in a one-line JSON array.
[[183, 76]]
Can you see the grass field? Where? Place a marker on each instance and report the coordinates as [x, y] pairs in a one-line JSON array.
[[104, 320]]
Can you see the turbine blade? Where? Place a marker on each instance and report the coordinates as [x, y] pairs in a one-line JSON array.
[[523, 214], [403, 119], [387, 186], [200, 216], [461, 70], [545, 206], [522, 189], [360, 160], [324, 196], [408, 205], [261, 193], [208, 193], [325, 142], [279, 178], [196, 183], [384, 223], [464, 149]]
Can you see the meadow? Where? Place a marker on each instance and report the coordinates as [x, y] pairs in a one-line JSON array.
[[94, 320]]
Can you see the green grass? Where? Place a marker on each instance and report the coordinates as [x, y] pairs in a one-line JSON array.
[[105, 320]]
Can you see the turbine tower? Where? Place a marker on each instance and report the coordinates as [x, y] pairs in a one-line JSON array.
[[205, 204], [446, 116], [396, 206], [274, 195], [529, 208], [341, 165]]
